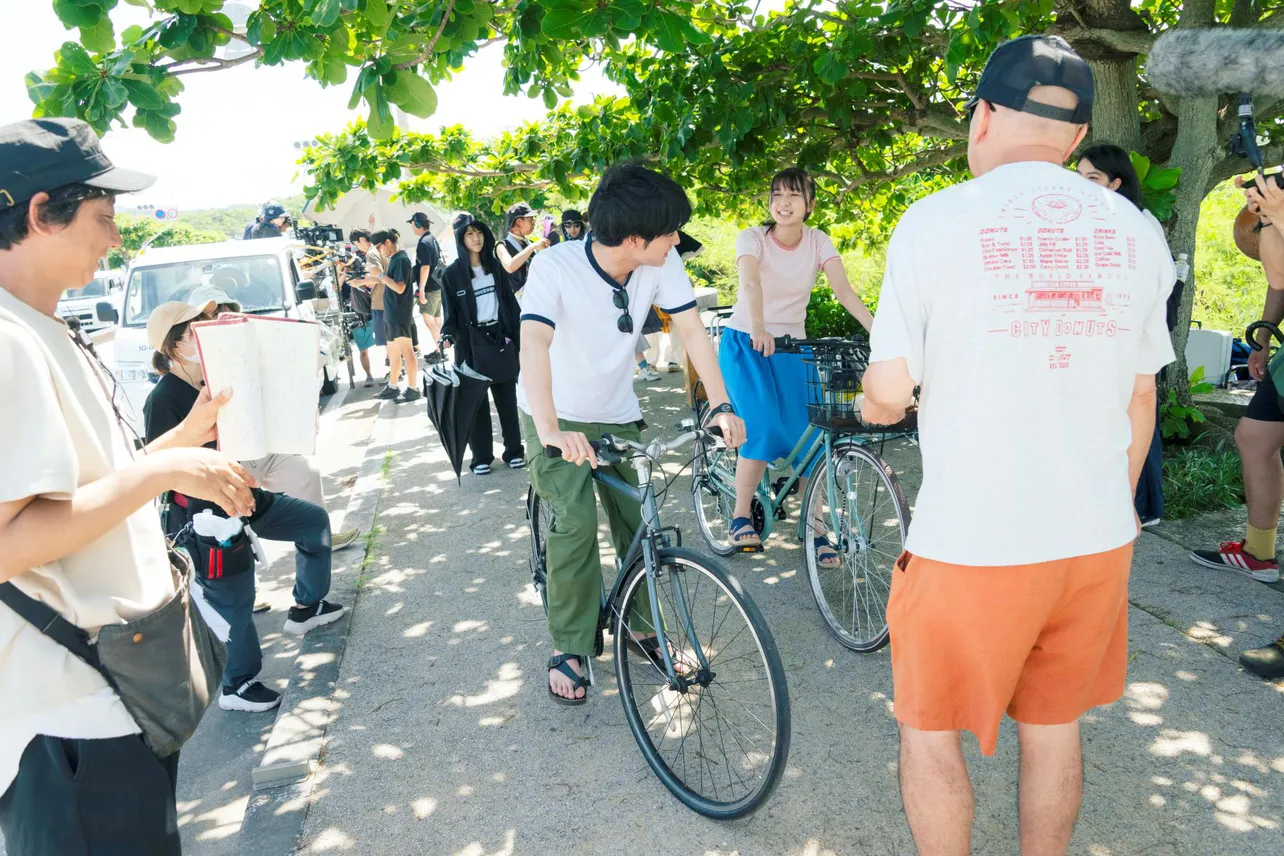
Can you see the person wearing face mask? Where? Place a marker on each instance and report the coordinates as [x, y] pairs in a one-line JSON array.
[[276, 517], [483, 320]]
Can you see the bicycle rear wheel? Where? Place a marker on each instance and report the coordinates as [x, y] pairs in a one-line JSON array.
[[720, 742], [866, 523], [540, 514], [713, 495]]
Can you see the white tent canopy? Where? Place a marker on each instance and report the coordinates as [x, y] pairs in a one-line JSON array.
[[355, 209]]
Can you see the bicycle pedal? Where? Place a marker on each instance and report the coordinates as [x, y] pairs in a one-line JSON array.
[[750, 548]]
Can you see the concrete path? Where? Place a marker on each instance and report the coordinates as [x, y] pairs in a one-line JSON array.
[[443, 740]]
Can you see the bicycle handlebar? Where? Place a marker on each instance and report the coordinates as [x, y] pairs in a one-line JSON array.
[[611, 448], [788, 344]]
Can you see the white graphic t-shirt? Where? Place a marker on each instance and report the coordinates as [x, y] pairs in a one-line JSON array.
[[1025, 302]]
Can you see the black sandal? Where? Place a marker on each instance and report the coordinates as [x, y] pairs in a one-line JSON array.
[[559, 663]]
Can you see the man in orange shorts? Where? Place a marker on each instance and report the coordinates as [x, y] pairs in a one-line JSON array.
[[1029, 306]]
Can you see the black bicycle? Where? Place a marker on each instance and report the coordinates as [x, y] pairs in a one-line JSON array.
[[706, 700]]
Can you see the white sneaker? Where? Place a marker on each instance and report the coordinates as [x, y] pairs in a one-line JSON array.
[[647, 375]]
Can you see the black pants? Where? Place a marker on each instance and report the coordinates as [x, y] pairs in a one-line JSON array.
[[91, 798], [481, 442], [1150, 487]]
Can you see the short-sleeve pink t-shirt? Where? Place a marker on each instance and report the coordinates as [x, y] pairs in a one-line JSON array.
[[788, 277]]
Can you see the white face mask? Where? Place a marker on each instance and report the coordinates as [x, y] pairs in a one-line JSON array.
[[187, 356]]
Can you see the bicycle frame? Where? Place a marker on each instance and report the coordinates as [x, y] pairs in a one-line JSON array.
[[646, 543]]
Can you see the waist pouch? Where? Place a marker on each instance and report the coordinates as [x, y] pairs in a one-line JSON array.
[[166, 666], [213, 561]]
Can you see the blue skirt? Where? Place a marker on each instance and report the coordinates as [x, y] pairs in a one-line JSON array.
[[768, 393]]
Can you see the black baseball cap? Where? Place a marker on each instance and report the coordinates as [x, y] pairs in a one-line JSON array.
[[419, 219], [1018, 66], [39, 155], [517, 211]]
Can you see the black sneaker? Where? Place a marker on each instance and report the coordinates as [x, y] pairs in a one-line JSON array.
[[1267, 662], [481, 470], [303, 618], [516, 463], [388, 393], [409, 396], [251, 697]]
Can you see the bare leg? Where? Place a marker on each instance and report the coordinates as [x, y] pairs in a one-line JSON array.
[[394, 361], [434, 329], [365, 363], [748, 477], [412, 366], [1051, 787], [1259, 451], [936, 791]]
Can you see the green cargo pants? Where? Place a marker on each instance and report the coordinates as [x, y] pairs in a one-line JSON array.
[[573, 563]]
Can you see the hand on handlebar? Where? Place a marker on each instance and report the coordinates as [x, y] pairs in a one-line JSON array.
[[1257, 361], [732, 428], [574, 446], [763, 342]]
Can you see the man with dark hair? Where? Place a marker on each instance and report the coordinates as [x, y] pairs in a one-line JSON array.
[[272, 222], [1024, 524], [428, 273], [581, 319], [399, 317], [514, 252], [79, 529], [360, 298]]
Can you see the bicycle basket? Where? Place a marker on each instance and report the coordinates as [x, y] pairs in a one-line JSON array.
[[834, 384]]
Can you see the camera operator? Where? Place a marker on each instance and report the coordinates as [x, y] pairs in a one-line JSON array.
[[354, 273], [77, 520], [514, 252], [1260, 434], [272, 222]]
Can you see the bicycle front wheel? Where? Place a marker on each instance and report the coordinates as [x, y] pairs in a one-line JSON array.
[[717, 735], [540, 514], [713, 495], [855, 502]]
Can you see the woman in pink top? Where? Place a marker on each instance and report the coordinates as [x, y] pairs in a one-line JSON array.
[[778, 265]]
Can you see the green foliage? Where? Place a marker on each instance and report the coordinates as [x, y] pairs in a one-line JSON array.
[[1176, 420], [137, 230], [1231, 287], [1158, 186], [1199, 480]]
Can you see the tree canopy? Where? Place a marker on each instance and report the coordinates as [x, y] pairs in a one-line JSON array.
[[866, 94]]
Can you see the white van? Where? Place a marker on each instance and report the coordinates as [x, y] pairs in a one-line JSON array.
[[262, 275]]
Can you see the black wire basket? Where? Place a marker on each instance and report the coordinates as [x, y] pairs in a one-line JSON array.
[[832, 387]]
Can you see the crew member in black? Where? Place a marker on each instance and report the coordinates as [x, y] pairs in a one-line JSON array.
[[483, 319]]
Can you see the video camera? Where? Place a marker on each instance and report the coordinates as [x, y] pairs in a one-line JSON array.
[[320, 236]]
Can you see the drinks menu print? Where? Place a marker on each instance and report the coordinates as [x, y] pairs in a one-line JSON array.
[[1058, 269]]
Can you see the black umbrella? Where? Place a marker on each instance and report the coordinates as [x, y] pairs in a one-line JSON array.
[[453, 401]]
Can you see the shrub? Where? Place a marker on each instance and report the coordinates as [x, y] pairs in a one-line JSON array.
[[1176, 419]]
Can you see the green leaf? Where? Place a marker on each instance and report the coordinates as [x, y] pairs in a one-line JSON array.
[[142, 4], [144, 95], [1141, 164], [38, 87], [668, 31], [325, 12], [830, 67], [550, 97], [76, 59], [377, 15], [78, 13], [100, 38], [380, 125], [1163, 179], [413, 94]]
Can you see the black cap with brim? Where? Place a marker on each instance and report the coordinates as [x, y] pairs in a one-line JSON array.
[[1018, 66], [419, 219], [40, 155]]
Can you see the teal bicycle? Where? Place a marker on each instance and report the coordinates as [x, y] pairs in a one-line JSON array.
[[853, 502]]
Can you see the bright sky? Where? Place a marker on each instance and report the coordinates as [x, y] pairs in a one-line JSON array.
[[236, 134]]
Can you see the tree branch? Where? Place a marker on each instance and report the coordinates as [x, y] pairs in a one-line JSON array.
[[432, 44], [1230, 167], [1124, 41], [211, 64]]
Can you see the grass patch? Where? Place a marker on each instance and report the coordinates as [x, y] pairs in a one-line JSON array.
[[387, 465], [1197, 480]]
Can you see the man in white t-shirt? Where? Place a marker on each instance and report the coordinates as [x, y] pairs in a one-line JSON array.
[[581, 319], [1029, 305], [79, 529]]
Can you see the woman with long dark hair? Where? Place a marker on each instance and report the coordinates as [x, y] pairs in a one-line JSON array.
[[483, 319], [1111, 167]]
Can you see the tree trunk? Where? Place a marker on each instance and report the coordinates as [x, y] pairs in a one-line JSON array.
[[1115, 117]]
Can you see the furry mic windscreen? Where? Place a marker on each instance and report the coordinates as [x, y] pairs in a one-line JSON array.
[[1217, 62]]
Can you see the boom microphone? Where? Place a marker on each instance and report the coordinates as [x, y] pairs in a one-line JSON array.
[[1217, 62]]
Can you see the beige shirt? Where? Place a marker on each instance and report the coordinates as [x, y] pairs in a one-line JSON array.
[[58, 434]]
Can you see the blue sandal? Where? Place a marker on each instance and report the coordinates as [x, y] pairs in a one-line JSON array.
[[827, 562], [579, 681], [742, 529]]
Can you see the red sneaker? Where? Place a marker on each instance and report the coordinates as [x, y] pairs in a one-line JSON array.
[[1232, 555]]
